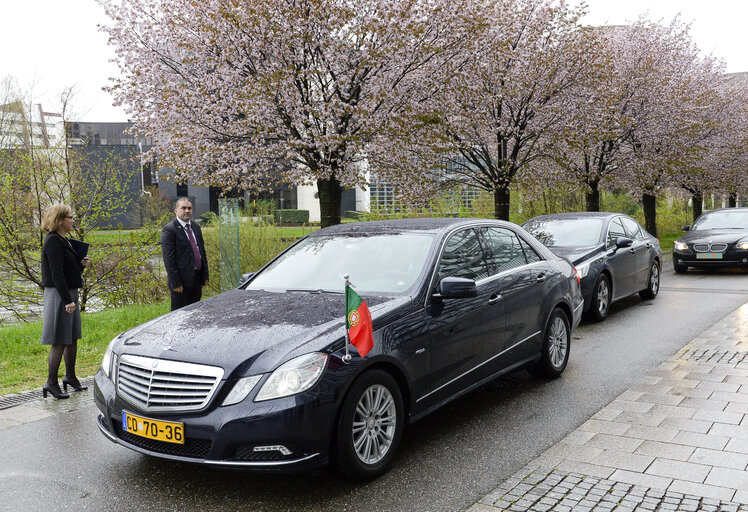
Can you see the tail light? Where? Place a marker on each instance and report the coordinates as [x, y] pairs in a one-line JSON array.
[[578, 275]]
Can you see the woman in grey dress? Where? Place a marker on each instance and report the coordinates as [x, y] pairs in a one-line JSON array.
[[62, 271]]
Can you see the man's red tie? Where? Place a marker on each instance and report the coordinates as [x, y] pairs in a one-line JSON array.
[[195, 250]]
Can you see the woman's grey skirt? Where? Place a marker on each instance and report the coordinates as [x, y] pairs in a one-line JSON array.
[[58, 326]]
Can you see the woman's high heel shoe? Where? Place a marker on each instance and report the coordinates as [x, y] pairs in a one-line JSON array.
[[55, 390], [73, 383]]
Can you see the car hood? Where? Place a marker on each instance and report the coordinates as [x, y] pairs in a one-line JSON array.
[[727, 236], [575, 255], [246, 330]]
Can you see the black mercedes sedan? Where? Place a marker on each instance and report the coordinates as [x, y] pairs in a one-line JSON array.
[[258, 377], [718, 239], [614, 255]]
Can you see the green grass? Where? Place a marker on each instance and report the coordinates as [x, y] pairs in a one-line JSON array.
[[102, 237], [23, 359], [667, 239]]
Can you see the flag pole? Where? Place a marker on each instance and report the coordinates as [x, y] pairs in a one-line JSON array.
[[347, 357]]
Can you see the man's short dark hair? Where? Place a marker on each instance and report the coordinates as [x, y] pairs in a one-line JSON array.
[[180, 199]]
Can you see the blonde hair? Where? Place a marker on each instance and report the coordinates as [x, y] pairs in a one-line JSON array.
[[54, 215]]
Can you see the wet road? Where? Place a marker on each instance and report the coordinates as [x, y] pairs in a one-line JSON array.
[[447, 461]]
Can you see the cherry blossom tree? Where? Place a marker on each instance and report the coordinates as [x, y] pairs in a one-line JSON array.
[[668, 118], [240, 91], [586, 146], [725, 167], [511, 90]]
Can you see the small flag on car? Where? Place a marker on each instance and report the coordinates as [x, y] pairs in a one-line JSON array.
[[358, 323]]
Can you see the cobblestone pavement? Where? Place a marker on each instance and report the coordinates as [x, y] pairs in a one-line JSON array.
[[676, 440]]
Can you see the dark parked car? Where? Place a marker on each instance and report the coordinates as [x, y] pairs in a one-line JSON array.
[[718, 239], [256, 377], [614, 255]]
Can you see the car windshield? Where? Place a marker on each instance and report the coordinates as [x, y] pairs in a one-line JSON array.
[[566, 232], [722, 220], [380, 263]]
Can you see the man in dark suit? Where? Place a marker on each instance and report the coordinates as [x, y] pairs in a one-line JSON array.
[[184, 256]]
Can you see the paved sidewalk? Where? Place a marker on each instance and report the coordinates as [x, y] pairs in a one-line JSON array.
[[676, 440]]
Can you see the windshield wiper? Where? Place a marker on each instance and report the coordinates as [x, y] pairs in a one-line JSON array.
[[319, 290]]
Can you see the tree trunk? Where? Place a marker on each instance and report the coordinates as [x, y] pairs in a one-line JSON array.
[[649, 202], [698, 203], [592, 197], [732, 200], [330, 196], [501, 203]]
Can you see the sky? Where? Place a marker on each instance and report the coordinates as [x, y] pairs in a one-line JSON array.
[[48, 45]]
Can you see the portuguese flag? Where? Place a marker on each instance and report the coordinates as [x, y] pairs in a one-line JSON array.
[[358, 322]]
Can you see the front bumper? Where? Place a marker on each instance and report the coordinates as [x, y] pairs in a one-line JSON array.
[[730, 258], [237, 436]]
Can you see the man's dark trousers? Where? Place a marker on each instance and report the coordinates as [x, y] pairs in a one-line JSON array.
[[189, 295]]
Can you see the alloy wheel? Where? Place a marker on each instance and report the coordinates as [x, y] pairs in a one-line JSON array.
[[654, 279], [558, 340], [603, 298], [374, 423]]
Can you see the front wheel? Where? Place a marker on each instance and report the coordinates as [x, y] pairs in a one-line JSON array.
[[680, 269], [653, 285], [555, 351], [370, 426]]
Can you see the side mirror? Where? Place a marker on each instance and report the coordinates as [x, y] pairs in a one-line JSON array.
[[456, 288], [623, 241], [686, 227], [246, 277]]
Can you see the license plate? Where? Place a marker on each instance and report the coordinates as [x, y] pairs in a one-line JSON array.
[[708, 256], [167, 431]]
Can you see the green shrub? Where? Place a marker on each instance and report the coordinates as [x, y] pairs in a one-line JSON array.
[[209, 218], [291, 216], [265, 219]]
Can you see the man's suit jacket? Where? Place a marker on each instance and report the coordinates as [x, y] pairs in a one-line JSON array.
[[179, 259]]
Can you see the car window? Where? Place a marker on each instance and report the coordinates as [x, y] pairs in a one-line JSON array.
[[615, 229], [505, 249], [730, 219], [463, 257], [530, 253], [633, 228], [565, 232]]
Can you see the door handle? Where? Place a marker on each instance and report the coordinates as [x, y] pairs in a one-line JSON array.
[[632, 250], [495, 299], [541, 278]]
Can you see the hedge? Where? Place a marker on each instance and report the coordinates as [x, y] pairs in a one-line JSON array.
[[291, 216]]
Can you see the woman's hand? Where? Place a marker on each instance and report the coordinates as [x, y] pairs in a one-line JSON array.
[[85, 261], [70, 308]]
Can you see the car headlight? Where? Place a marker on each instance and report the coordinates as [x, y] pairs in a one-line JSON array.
[[241, 389], [743, 245], [294, 376], [106, 362], [583, 270], [680, 246]]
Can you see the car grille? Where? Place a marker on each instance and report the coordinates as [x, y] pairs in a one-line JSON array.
[[162, 385], [720, 247], [192, 447]]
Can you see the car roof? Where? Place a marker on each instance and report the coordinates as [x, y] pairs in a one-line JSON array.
[[425, 225], [740, 209], [577, 215]]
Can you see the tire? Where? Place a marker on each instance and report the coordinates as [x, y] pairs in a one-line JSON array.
[[370, 425], [653, 282], [601, 295], [680, 269], [555, 351]]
